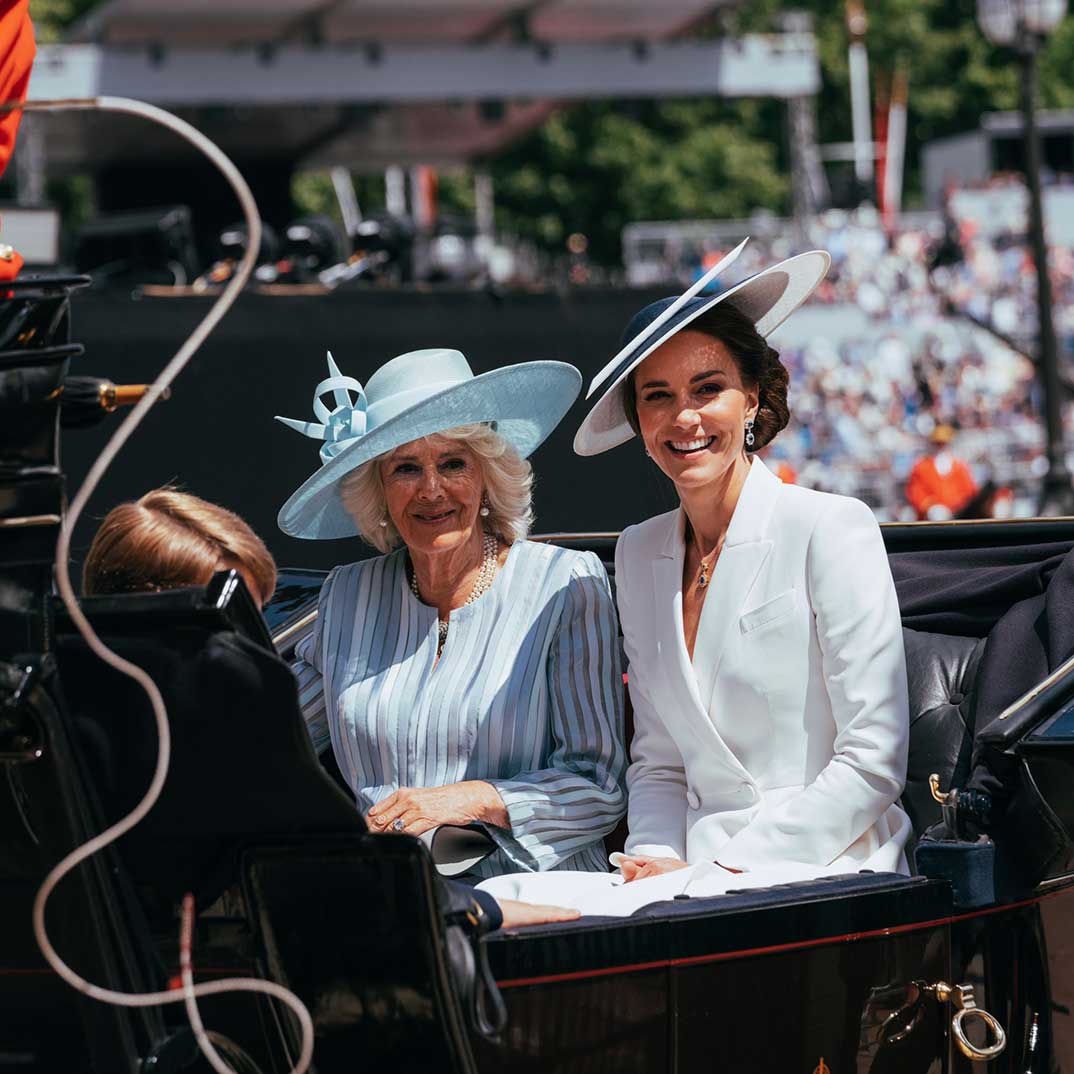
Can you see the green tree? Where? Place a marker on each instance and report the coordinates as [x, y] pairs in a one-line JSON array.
[[52, 17], [954, 74], [595, 167]]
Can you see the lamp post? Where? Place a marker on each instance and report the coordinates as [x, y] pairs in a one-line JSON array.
[[1023, 24]]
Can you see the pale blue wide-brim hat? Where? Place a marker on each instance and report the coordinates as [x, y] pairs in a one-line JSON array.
[[768, 298], [415, 395]]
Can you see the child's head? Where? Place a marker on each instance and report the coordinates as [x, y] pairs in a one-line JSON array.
[[169, 539]]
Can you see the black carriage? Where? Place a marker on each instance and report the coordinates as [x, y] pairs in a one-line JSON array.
[[865, 972]]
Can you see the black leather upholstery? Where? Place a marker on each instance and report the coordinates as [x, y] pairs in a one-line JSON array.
[[242, 767], [940, 672]]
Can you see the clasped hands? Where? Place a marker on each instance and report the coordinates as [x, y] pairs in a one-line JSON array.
[[419, 809]]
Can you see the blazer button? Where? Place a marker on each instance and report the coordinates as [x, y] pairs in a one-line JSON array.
[[693, 799]]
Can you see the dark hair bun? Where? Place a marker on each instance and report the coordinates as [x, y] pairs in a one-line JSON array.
[[773, 412]]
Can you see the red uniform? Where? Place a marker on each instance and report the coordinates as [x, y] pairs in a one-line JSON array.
[[927, 487], [17, 52]]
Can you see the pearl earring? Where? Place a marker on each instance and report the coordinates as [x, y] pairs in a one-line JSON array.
[[383, 523], [485, 511], [750, 438]]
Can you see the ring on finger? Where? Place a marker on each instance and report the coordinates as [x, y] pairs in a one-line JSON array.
[[398, 824]]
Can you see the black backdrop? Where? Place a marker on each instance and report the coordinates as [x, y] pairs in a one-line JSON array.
[[216, 437]]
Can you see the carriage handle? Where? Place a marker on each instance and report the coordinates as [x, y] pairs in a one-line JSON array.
[[961, 997]]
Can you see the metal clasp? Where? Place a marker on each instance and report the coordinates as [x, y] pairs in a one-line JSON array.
[[963, 810], [961, 997], [934, 785]]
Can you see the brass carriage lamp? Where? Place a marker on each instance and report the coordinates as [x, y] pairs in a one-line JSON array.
[[1023, 25]]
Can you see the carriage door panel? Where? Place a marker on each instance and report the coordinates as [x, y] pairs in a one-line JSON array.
[[855, 1006], [1019, 962]]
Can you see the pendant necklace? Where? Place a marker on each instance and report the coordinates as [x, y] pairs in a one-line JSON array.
[[489, 565], [707, 562]]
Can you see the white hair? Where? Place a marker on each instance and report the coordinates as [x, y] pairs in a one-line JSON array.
[[508, 482]]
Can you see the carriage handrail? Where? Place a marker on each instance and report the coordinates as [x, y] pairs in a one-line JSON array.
[[292, 629], [1053, 679]]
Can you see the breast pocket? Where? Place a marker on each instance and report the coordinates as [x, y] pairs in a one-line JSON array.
[[770, 613]]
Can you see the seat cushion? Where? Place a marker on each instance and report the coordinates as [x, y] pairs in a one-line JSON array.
[[242, 767], [940, 670]]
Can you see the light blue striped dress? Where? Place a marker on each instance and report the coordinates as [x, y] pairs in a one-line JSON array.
[[527, 695]]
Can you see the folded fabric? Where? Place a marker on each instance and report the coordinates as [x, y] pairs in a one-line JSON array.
[[606, 894], [456, 849]]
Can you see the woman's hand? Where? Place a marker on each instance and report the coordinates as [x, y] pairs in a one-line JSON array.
[[641, 866], [518, 914], [422, 808]]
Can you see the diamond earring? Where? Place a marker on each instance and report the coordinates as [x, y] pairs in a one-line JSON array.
[[383, 523], [750, 438]]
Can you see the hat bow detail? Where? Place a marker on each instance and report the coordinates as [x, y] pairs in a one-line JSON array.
[[338, 427]]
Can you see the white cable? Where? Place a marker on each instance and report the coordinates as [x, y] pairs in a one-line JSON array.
[[235, 984], [190, 992]]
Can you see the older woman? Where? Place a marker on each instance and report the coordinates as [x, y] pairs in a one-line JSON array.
[[466, 675], [760, 620]]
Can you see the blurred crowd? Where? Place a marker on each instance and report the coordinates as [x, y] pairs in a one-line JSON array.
[[896, 354], [864, 411]]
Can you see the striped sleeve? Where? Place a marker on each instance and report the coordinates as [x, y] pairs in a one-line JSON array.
[[561, 809], [308, 668]]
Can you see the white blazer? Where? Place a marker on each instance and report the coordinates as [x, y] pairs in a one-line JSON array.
[[784, 743]]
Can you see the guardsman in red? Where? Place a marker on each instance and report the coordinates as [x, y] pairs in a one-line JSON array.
[[940, 484], [786, 473], [16, 57]]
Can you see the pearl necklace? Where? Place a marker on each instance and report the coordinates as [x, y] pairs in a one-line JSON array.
[[489, 565]]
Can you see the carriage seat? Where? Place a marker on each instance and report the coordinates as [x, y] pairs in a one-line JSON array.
[[941, 670], [242, 767]]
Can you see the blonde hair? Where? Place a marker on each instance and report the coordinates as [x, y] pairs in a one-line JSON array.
[[508, 485], [169, 539]]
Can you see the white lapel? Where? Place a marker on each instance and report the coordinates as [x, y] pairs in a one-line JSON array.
[[732, 586], [745, 550], [667, 610]]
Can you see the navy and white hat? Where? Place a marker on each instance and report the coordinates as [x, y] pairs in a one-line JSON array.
[[768, 298]]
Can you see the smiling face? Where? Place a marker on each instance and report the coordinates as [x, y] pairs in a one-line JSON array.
[[692, 409], [433, 490]]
